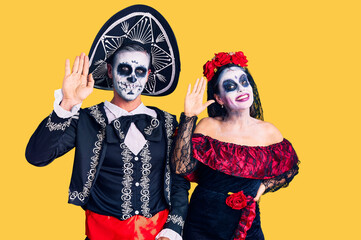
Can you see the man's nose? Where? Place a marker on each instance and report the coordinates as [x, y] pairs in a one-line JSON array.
[[132, 79]]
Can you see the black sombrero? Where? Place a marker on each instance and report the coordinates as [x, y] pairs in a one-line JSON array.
[[143, 24]]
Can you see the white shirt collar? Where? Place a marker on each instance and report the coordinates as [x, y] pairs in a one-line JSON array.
[[118, 112]]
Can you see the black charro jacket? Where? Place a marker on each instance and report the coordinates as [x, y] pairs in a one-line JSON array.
[[86, 131]]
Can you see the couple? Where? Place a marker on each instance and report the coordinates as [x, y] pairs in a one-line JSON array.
[[127, 177]]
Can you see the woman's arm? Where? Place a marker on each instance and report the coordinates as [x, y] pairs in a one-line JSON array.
[[182, 162]]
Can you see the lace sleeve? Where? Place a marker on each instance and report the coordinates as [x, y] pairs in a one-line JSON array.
[[280, 181], [182, 161]]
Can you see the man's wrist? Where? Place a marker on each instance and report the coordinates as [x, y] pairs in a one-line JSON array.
[[68, 104]]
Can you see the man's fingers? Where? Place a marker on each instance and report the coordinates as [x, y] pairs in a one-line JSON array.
[[76, 64], [86, 66], [81, 63], [67, 67], [90, 81]]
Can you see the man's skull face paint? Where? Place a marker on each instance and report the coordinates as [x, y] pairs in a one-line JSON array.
[[235, 90], [130, 73]]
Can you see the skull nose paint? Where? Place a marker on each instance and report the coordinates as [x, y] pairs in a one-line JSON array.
[[132, 79]]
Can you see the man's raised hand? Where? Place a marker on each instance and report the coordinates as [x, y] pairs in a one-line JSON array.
[[77, 84]]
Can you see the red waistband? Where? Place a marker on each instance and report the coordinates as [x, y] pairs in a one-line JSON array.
[[101, 227]]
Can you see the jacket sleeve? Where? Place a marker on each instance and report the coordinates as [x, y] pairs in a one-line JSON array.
[[179, 201], [53, 138]]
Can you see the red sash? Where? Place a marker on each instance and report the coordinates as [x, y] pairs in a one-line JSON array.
[[100, 227]]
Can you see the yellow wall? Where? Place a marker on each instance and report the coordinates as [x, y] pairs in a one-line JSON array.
[[304, 56]]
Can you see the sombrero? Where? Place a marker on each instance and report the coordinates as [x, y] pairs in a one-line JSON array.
[[145, 25]]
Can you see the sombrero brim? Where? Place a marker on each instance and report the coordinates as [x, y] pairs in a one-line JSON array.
[[143, 24]]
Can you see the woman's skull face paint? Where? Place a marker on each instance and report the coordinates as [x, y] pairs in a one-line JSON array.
[[234, 89], [130, 73]]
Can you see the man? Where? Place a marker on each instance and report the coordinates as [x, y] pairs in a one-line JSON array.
[[121, 175]]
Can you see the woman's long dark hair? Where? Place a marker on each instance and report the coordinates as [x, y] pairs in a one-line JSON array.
[[216, 110]]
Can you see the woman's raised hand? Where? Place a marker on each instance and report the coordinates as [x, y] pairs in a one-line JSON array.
[[77, 84], [193, 104]]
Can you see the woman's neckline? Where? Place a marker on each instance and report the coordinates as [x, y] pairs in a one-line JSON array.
[[240, 145]]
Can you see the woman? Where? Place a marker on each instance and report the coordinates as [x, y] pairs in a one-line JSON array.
[[233, 155]]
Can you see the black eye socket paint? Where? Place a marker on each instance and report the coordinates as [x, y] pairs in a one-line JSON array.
[[244, 81], [124, 69], [229, 85], [140, 71]]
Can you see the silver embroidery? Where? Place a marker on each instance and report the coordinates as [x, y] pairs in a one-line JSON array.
[[116, 124], [97, 114], [91, 174], [169, 129], [153, 125], [94, 159], [144, 181], [127, 182], [175, 219], [59, 126]]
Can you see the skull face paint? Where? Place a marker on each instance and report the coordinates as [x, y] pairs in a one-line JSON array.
[[235, 90], [130, 73]]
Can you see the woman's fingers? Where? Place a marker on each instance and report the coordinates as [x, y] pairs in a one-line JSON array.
[[203, 87], [195, 86], [206, 104], [189, 89]]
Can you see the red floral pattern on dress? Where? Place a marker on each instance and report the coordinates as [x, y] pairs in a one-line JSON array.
[[244, 161]]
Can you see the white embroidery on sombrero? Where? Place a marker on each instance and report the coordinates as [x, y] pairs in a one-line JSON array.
[[160, 38], [141, 31], [111, 44], [125, 26]]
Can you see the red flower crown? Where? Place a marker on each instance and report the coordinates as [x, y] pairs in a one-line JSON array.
[[221, 59]]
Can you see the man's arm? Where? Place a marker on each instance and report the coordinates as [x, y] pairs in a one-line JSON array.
[[56, 134]]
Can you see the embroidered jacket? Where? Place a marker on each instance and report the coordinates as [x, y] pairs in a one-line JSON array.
[[86, 131]]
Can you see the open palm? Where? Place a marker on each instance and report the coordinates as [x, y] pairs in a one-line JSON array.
[[77, 84], [193, 104]]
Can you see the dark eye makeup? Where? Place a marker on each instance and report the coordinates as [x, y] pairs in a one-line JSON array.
[[140, 71], [124, 69], [229, 85], [243, 81]]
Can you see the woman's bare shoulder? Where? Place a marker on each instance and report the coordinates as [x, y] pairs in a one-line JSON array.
[[206, 125], [271, 133]]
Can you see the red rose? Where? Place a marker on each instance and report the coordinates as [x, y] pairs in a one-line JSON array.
[[237, 200], [222, 59], [240, 59], [208, 70]]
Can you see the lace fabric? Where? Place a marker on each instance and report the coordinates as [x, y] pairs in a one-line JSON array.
[[182, 161], [282, 180]]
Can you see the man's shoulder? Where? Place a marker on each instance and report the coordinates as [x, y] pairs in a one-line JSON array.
[[163, 113]]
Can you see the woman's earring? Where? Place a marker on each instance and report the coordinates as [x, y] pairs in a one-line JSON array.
[[221, 106]]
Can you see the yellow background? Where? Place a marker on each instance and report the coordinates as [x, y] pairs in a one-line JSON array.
[[304, 56]]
